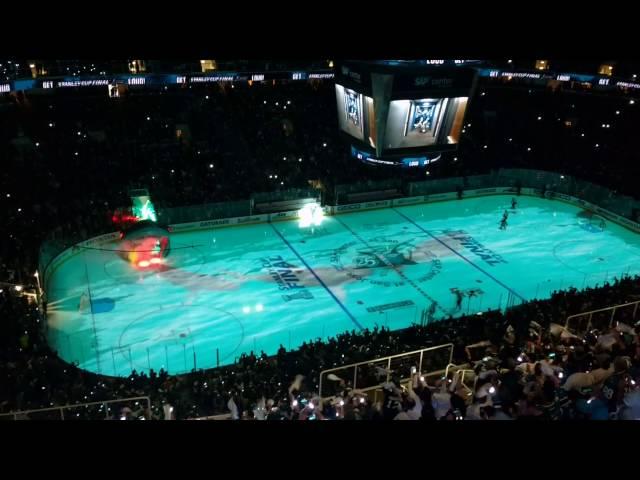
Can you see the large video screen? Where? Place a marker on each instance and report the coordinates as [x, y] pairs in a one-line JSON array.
[[424, 122], [356, 115]]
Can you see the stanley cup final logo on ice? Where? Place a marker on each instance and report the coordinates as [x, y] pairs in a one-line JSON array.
[[285, 275], [375, 261]]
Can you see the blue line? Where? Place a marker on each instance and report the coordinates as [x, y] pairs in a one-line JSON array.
[[353, 319], [460, 255]]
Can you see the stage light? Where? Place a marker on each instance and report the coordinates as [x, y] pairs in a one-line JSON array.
[[143, 263], [310, 215], [631, 102], [246, 309], [259, 307]]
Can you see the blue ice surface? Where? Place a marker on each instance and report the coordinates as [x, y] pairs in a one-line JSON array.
[[229, 291]]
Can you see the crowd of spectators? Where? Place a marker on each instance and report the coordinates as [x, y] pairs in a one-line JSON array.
[[526, 365], [71, 157]]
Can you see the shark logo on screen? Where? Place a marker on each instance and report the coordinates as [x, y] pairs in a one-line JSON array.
[[376, 261]]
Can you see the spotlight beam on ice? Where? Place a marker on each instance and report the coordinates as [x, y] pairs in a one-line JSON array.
[[311, 215]]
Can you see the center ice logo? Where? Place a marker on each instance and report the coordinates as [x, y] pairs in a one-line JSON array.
[[374, 261]]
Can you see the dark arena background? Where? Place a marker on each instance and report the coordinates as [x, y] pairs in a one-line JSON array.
[[435, 239]]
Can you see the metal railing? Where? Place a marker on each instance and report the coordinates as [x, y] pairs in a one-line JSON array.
[[415, 358], [104, 403], [222, 416], [579, 328]]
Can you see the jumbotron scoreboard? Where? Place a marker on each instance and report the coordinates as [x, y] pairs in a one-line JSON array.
[[403, 112]]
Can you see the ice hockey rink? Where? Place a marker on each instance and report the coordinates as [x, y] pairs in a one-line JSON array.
[[228, 291]]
